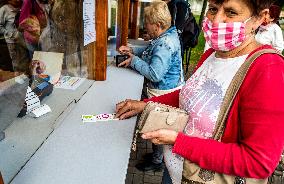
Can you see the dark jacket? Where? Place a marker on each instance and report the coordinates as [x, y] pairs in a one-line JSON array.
[[179, 10]]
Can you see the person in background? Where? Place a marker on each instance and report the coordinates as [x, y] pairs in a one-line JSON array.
[[253, 138], [62, 35], [160, 63], [18, 52], [32, 21], [179, 10], [270, 32]]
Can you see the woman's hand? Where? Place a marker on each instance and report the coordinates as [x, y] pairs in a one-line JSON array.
[[128, 51], [162, 136], [127, 62], [129, 108], [125, 50], [37, 67]]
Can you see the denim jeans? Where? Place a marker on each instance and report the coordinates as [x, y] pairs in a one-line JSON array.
[[166, 179]]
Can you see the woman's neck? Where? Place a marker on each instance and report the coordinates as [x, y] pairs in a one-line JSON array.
[[245, 48]]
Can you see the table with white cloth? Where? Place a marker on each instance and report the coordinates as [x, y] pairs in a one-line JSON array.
[[25, 135], [73, 151]]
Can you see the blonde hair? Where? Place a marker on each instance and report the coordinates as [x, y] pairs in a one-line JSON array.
[[158, 13]]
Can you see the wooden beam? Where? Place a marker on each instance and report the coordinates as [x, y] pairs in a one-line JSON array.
[[119, 22], [89, 56], [1, 179], [100, 64], [122, 22], [125, 23], [134, 30]]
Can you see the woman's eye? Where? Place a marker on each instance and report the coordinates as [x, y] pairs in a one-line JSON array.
[[231, 13], [212, 10]]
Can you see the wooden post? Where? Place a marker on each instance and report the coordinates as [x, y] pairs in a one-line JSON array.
[[1, 179], [100, 64], [90, 56], [119, 23], [134, 30], [122, 22]]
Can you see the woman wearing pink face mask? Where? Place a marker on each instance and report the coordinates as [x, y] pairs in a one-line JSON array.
[[253, 137]]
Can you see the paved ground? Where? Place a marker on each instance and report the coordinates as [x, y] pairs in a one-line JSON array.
[[134, 176]]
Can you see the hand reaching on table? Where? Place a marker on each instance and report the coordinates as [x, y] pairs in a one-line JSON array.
[[126, 51], [129, 108]]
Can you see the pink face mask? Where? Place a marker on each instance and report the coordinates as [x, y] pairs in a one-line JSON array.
[[224, 36]]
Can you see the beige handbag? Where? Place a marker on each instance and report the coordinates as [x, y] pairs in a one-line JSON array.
[[192, 173], [157, 116]]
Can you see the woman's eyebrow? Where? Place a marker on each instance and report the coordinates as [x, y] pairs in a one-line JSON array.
[[227, 9], [232, 8], [213, 5]]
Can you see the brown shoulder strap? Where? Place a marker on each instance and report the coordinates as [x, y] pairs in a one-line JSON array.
[[233, 89]]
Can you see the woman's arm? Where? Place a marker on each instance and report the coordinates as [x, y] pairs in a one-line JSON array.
[[138, 50], [157, 67], [259, 114], [129, 108], [171, 99]]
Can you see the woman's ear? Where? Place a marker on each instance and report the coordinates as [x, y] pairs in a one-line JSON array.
[[263, 17], [159, 26], [271, 19]]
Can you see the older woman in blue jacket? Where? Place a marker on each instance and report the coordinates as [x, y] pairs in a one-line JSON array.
[[161, 61]]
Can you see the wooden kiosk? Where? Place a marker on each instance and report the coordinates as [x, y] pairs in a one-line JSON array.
[[58, 147]]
